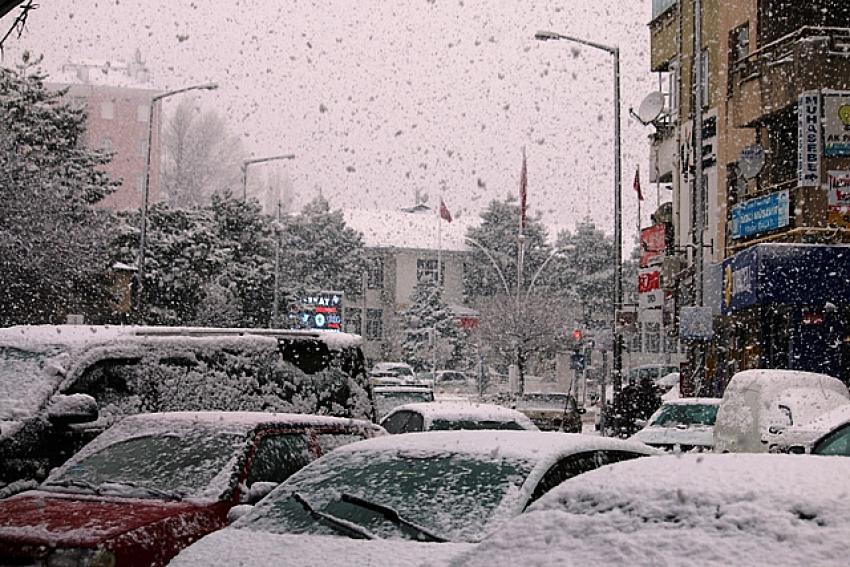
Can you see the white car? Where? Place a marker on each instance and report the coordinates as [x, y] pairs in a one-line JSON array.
[[685, 424], [443, 416], [759, 404], [691, 509], [444, 486], [827, 434]]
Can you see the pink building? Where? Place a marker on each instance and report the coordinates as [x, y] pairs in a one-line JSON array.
[[117, 98]]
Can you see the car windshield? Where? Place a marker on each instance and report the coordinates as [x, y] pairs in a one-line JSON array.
[[686, 414], [542, 401], [25, 384], [453, 496], [455, 424], [387, 401], [159, 465]]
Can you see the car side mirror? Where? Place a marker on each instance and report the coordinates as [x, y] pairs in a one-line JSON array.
[[257, 492], [582, 411], [775, 429], [237, 512], [74, 408], [640, 423]]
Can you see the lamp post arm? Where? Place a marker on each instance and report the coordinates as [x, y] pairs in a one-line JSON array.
[[542, 35], [206, 87], [247, 162], [492, 261]]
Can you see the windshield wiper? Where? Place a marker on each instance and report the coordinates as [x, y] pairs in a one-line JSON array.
[[149, 489], [393, 516], [344, 527], [73, 482]]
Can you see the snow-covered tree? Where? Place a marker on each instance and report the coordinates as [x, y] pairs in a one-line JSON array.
[[430, 329], [200, 157], [498, 234], [52, 258]]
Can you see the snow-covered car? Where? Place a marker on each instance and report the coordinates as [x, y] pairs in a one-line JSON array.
[[550, 411], [444, 416], [386, 398], [758, 405], [685, 424], [62, 385], [692, 509], [828, 434], [386, 370], [444, 486], [153, 483]]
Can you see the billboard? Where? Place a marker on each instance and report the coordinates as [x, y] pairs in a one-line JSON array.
[[759, 215], [836, 124], [839, 198], [321, 310]]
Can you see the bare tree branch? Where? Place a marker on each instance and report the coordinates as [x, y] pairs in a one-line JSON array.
[[20, 20]]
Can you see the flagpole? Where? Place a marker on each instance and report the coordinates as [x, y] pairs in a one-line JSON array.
[[440, 242]]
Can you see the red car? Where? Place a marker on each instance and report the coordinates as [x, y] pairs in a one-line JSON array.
[[154, 483]]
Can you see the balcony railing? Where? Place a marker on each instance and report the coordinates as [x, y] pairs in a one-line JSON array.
[[773, 76]]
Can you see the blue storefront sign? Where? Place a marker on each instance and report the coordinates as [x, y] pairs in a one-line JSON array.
[[760, 215], [786, 274]]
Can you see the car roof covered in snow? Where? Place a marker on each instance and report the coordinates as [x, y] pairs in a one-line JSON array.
[[240, 420], [772, 381], [687, 509], [459, 411], [532, 446]]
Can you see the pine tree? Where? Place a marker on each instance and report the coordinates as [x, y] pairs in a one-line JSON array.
[[428, 314], [52, 255]]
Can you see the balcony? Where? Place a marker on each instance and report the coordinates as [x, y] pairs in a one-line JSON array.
[[663, 31], [773, 77]]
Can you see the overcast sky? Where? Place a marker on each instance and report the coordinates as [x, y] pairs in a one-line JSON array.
[[380, 97]]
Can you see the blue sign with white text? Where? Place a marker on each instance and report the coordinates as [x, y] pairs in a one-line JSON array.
[[760, 215]]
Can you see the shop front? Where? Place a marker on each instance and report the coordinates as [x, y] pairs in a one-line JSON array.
[[788, 306]]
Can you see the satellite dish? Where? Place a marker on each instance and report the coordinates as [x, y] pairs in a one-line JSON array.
[[751, 161], [651, 107]]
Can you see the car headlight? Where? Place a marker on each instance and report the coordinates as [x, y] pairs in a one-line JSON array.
[[80, 557]]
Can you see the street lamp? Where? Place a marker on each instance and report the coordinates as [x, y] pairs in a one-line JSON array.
[[618, 194], [553, 254], [146, 199], [247, 162]]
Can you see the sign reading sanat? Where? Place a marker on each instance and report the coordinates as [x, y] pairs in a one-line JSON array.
[[320, 310]]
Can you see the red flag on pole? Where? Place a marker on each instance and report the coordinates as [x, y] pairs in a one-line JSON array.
[[444, 212], [637, 184], [523, 192]]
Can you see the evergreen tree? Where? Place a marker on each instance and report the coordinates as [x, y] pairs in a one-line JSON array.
[[52, 257], [428, 314]]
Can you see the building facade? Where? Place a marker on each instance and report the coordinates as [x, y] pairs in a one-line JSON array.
[[117, 99], [776, 161]]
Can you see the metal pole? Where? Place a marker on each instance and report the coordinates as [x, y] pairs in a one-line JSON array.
[[140, 274], [699, 188], [244, 182], [276, 308], [618, 229]]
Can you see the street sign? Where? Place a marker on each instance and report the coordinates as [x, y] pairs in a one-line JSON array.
[[695, 324]]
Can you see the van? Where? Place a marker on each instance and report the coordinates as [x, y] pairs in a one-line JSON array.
[[759, 404], [62, 385]]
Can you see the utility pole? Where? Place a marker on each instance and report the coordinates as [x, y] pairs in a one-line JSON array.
[[699, 200]]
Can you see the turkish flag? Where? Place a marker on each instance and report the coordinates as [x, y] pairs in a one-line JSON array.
[[444, 212]]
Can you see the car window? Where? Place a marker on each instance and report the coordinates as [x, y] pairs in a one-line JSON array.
[[277, 457], [414, 424], [567, 467], [686, 414], [395, 423], [330, 441], [835, 443], [456, 424]]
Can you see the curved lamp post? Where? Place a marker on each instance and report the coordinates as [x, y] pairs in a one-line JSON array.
[[145, 201], [247, 162], [618, 191]]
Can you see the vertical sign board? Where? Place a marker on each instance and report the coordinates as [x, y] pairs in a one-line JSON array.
[[650, 295], [839, 198], [760, 215], [653, 244], [836, 124], [808, 139]]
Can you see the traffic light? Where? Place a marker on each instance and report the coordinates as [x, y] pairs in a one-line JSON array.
[[577, 335]]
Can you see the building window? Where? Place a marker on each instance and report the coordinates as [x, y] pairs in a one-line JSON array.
[[353, 320], [375, 275], [107, 110], [106, 144], [427, 270], [374, 324], [652, 343], [739, 43], [142, 112]]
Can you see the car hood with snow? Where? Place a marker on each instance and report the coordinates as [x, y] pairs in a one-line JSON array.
[[682, 424], [684, 510]]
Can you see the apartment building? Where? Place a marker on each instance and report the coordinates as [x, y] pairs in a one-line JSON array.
[[776, 164]]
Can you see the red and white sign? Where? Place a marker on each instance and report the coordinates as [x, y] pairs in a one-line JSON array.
[[650, 295], [839, 198], [653, 244]]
